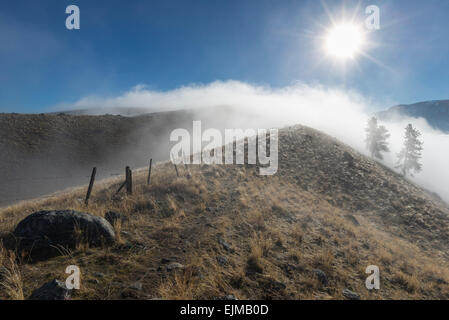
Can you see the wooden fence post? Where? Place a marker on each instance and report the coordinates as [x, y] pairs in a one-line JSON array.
[[129, 181], [149, 172], [91, 185]]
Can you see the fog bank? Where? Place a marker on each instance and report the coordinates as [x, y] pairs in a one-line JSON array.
[[339, 113]]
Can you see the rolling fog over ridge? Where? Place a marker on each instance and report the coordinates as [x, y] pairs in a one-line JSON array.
[[74, 143], [337, 112], [46, 153]]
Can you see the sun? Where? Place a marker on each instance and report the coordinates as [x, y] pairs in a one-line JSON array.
[[344, 41]]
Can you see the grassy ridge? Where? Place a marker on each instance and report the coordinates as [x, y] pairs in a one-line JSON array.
[[327, 208]]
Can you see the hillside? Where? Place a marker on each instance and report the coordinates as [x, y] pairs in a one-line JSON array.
[[309, 232], [44, 153], [435, 112]]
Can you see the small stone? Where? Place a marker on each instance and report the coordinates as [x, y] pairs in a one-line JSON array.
[[222, 260], [168, 260], [136, 286], [175, 266], [350, 295], [225, 245], [322, 277]]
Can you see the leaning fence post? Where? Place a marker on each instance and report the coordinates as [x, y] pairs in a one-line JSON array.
[[149, 172], [129, 181], [91, 185], [121, 187]]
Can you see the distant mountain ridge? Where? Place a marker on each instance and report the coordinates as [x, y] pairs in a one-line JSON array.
[[436, 113]]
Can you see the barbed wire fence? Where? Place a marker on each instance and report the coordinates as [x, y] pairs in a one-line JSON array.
[[40, 179], [127, 184]]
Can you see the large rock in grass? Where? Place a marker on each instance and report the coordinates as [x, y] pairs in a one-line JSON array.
[[46, 234]]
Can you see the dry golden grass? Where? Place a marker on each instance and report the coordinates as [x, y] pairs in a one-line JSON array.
[[10, 277], [278, 233], [179, 287]]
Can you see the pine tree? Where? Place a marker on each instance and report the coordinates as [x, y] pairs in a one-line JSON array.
[[376, 139], [408, 158]]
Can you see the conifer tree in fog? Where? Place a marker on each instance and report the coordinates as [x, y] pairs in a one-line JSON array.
[[376, 139], [408, 158]]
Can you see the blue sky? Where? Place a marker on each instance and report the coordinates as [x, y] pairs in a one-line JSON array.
[[168, 44]]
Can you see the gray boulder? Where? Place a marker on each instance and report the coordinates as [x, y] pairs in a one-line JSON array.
[[53, 290], [46, 234]]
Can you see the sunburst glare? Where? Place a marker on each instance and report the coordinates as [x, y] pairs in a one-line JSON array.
[[344, 41]]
